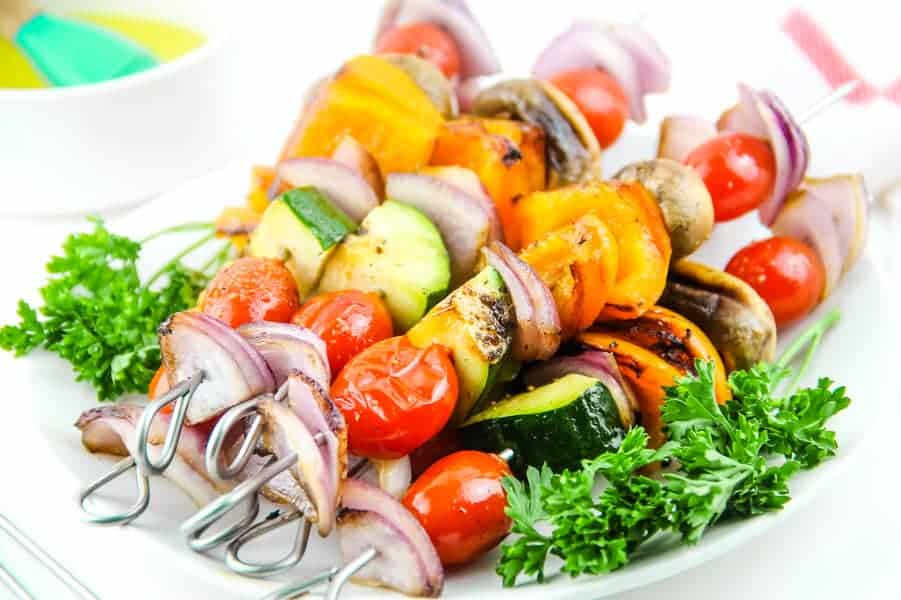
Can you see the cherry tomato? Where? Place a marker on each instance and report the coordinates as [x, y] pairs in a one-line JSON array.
[[600, 98], [348, 322], [426, 41], [159, 385], [251, 289], [786, 273], [460, 503], [738, 170], [395, 396]]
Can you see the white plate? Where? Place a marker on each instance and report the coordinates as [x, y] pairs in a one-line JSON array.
[[57, 400]]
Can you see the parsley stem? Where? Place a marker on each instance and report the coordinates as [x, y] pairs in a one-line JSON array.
[[183, 228], [217, 259], [177, 258], [810, 339]]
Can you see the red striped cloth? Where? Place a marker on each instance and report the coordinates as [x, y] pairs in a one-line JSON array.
[[828, 59]]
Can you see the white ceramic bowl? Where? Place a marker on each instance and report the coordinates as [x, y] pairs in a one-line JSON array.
[[99, 147]]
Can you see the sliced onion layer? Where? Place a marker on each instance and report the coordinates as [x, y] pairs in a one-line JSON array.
[[343, 185], [477, 56], [592, 363], [406, 560], [233, 371], [469, 182], [350, 152], [626, 52], [111, 429], [830, 215], [289, 349], [762, 114], [466, 221], [293, 426], [680, 134], [538, 330]]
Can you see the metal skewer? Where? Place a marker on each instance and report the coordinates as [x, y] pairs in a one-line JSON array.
[[140, 460], [337, 577], [128, 515], [271, 523], [145, 464], [181, 394]]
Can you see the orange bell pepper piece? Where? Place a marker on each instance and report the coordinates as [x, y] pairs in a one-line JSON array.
[[376, 103], [578, 263], [646, 372], [507, 156], [636, 223]]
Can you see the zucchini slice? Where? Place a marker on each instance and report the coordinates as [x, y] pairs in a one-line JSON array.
[[476, 323], [561, 423], [397, 253], [301, 227]]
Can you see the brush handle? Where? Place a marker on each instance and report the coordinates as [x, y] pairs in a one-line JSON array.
[[13, 13]]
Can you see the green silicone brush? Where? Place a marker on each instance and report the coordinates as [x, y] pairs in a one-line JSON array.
[[69, 52]]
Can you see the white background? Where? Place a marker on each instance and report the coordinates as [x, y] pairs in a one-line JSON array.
[[845, 545]]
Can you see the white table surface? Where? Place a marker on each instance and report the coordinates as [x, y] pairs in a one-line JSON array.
[[847, 544]]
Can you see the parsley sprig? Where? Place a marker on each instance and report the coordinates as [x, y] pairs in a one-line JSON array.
[[734, 460], [99, 316]]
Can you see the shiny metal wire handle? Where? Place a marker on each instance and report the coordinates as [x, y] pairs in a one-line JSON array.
[[59, 571], [335, 576], [274, 521], [181, 394], [214, 456], [130, 514], [245, 490]]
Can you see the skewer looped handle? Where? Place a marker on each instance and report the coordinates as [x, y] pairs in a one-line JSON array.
[[217, 445], [224, 504], [234, 561], [202, 544], [129, 515], [181, 394], [348, 571], [336, 576]]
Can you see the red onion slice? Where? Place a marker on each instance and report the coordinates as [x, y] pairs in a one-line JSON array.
[[763, 114], [350, 152], [626, 52], [288, 349], [344, 185], [477, 56], [469, 182], [680, 134], [654, 67], [406, 560], [319, 466], [830, 215], [111, 429], [591, 363], [233, 370], [464, 220], [312, 404], [538, 330]]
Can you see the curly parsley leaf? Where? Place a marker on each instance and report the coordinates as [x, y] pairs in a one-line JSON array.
[[98, 316], [733, 459]]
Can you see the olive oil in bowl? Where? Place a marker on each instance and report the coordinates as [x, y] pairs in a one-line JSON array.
[[165, 40]]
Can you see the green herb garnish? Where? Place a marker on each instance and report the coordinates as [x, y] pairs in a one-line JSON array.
[[97, 314], [734, 460]]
